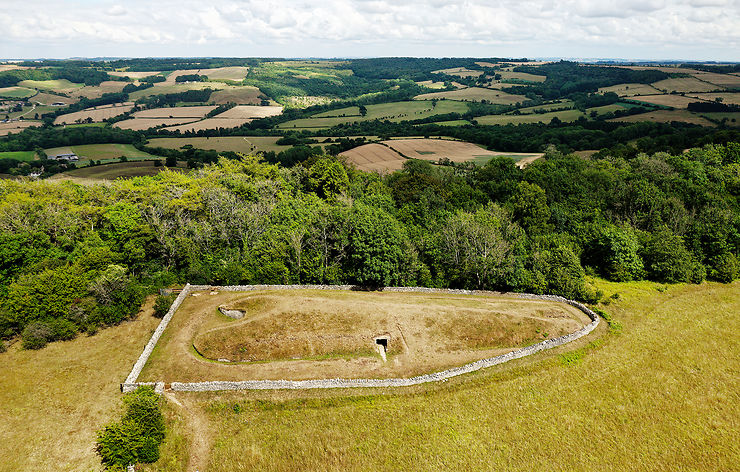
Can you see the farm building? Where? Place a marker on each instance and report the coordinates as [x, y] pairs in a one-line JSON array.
[[64, 157]]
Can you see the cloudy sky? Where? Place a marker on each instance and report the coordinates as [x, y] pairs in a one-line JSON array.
[[629, 29]]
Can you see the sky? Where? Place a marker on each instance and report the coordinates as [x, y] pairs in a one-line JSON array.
[[581, 29]]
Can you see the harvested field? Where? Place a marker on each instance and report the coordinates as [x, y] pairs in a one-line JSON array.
[[141, 124], [118, 170], [566, 115], [132, 74], [675, 101], [722, 80], [395, 111], [250, 112], [459, 71], [16, 92], [684, 84], [175, 112], [666, 116], [630, 90], [163, 88], [246, 145], [507, 75], [303, 334], [430, 84], [475, 94], [728, 98], [101, 151], [16, 126], [48, 99], [374, 158], [172, 76], [390, 155], [99, 90], [97, 114], [244, 95], [210, 123], [61, 85], [729, 118], [235, 73]]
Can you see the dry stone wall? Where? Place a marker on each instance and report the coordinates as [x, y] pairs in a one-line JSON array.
[[216, 385]]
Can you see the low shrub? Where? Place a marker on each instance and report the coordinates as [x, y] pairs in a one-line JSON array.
[[137, 437], [2, 346], [162, 305], [36, 335]]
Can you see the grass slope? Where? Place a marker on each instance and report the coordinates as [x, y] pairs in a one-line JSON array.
[[662, 395]]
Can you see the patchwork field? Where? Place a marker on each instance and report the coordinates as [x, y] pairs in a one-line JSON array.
[[16, 126], [210, 123], [666, 116], [16, 92], [722, 80], [684, 84], [389, 156], [630, 90], [395, 111], [306, 334], [161, 88], [730, 119], [547, 107], [475, 94], [430, 84], [565, 115], [250, 112], [96, 114]]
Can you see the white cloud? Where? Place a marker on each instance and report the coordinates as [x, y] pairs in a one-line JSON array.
[[702, 29]]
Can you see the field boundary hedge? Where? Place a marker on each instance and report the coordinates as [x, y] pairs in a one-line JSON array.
[[130, 384]]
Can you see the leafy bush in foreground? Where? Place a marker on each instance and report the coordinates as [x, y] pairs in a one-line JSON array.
[[137, 437]]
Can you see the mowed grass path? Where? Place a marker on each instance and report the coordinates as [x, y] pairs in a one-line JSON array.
[[661, 395]]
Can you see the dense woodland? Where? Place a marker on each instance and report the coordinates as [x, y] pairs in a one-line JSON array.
[[74, 258]]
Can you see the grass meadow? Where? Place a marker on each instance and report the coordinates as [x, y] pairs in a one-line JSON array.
[[660, 392]]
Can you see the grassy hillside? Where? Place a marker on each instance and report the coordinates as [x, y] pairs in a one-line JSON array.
[[660, 395]]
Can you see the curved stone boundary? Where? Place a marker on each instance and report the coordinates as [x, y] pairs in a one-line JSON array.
[[130, 384]]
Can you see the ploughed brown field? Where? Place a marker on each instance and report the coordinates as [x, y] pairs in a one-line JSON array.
[[100, 113], [390, 155], [304, 334]]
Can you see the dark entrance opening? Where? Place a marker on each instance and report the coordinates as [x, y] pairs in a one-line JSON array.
[[382, 342]]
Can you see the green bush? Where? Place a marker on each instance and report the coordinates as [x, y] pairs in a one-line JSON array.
[[36, 335], [137, 437], [162, 305], [62, 330], [2, 347]]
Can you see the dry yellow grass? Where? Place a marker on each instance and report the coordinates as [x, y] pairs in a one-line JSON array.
[[684, 84], [132, 74], [235, 73], [16, 126], [97, 113], [90, 91], [666, 116], [475, 94], [52, 401], [661, 395], [675, 101], [721, 80], [328, 334], [629, 90], [141, 124], [459, 71], [250, 111], [175, 112], [47, 99], [728, 98], [375, 158], [244, 95], [507, 75]]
